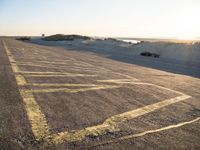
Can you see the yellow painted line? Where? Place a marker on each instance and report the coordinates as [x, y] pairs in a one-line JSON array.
[[44, 73], [46, 62], [117, 81], [81, 63], [127, 81], [42, 66], [39, 124], [144, 110], [20, 80], [37, 119], [55, 62], [15, 68], [32, 72], [111, 124], [60, 84], [88, 70], [161, 87], [60, 75], [66, 90], [51, 67], [126, 76], [147, 132]]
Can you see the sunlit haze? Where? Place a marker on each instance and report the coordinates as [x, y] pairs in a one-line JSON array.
[[118, 18]]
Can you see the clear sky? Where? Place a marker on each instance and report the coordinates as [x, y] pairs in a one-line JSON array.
[[121, 18]]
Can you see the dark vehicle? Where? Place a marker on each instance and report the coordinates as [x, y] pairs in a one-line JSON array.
[[149, 54], [155, 55], [146, 54], [23, 38]]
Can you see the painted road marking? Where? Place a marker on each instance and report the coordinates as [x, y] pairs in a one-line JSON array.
[[66, 90], [40, 127], [118, 81], [48, 62], [124, 75], [37, 119], [43, 63], [147, 132], [60, 84], [83, 64], [29, 73], [111, 124], [41, 73], [20, 80], [114, 120], [60, 75], [45, 66], [121, 81], [56, 63], [42, 66]]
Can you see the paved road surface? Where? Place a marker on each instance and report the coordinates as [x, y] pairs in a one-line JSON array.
[[51, 98]]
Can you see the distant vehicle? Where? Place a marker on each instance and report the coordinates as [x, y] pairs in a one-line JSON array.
[[25, 38], [155, 55], [149, 54], [146, 54]]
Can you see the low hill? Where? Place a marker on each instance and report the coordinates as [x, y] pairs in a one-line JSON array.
[[62, 37]]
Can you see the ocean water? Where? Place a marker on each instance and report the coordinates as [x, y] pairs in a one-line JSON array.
[[130, 40]]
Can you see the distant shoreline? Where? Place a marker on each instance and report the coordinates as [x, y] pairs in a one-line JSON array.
[[132, 40], [158, 40]]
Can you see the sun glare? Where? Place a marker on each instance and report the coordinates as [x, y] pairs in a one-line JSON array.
[[186, 22], [186, 37]]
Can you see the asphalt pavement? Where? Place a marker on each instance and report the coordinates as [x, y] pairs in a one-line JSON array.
[[52, 98]]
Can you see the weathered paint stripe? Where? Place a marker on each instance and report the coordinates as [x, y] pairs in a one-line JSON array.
[[39, 124], [111, 124], [146, 132], [66, 90], [60, 85], [37, 119], [60, 75]]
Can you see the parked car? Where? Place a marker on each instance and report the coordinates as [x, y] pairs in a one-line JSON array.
[[149, 54], [155, 55], [25, 38], [146, 54]]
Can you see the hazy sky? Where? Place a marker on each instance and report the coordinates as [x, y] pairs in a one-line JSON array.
[[127, 18]]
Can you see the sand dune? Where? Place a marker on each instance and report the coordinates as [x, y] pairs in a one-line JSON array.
[[180, 58]]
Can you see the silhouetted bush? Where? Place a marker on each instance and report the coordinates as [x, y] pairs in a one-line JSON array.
[[62, 37]]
